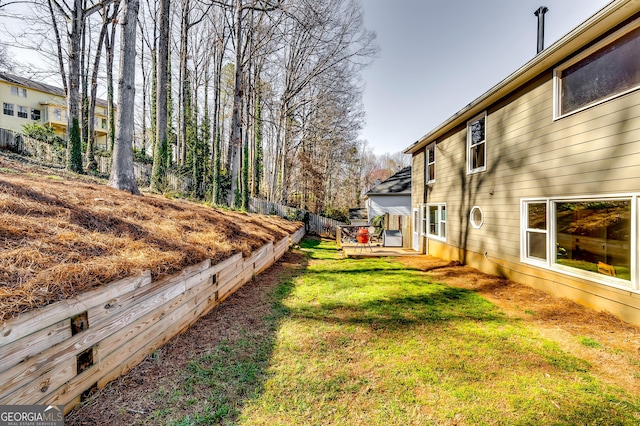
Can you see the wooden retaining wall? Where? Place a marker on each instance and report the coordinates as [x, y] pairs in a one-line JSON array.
[[55, 354]]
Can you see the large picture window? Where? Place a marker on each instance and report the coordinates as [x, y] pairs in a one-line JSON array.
[[477, 144], [611, 68], [430, 160], [585, 237], [434, 219]]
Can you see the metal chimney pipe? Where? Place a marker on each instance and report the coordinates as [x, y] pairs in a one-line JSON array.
[[540, 14]]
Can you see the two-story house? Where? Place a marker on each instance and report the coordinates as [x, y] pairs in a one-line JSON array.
[[26, 101], [538, 179]]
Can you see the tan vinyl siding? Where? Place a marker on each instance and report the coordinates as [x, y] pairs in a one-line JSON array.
[[529, 154], [417, 178], [591, 153]]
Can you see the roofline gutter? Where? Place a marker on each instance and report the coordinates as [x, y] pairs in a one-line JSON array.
[[598, 24]]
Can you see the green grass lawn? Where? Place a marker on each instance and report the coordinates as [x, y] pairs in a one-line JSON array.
[[369, 342]]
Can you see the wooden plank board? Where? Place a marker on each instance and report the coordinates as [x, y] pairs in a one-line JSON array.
[[140, 337], [70, 348], [18, 351], [172, 329], [36, 320], [46, 383], [259, 254], [193, 286], [226, 289], [100, 313], [264, 263], [298, 236], [281, 246], [231, 270]]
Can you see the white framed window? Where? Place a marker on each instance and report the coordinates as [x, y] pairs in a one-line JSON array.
[[23, 112], [57, 114], [35, 114], [7, 109], [19, 91], [430, 163], [477, 144], [589, 237], [476, 217], [434, 219], [609, 69]]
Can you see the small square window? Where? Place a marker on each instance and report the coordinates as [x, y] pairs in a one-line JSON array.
[[35, 114]]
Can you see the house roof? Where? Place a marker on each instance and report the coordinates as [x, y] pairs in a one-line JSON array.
[[42, 87], [597, 25], [358, 214], [398, 184]]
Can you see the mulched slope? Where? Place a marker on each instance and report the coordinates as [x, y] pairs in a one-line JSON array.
[[62, 236]]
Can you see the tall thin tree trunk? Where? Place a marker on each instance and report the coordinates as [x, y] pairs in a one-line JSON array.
[[235, 143], [92, 165], [74, 145], [122, 173], [158, 173], [110, 48]]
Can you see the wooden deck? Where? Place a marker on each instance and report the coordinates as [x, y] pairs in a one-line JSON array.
[[359, 250]]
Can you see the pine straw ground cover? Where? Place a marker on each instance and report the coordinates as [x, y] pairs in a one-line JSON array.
[[60, 236]]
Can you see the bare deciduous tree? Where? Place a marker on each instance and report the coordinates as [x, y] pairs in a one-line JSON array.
[[122, 172]]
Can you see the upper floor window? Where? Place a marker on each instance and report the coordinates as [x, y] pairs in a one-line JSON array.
[[7, 109], [430, 160], [610, 68], [19, 91], [477, 144], [35, 114], [57, 114], [23, 112]]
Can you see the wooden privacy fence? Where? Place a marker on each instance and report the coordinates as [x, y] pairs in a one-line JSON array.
[[313, 222], [9, 140], [55, 354]]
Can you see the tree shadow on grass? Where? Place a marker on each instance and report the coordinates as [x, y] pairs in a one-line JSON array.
[[442, 305]]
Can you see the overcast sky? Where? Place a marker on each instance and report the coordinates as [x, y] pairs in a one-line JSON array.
[[438, 56]]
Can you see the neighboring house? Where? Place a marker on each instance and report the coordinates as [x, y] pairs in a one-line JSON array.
[[26, 101], [393, 196], [539, 178], [358, 216]]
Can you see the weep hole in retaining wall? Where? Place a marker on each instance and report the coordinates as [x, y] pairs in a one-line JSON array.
[[55, 354]]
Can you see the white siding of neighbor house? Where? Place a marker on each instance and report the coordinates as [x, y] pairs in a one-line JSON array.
[[392, 204], [529, 154]]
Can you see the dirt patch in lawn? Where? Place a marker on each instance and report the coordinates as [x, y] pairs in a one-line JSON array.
[[611, 345], [62, 234]]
